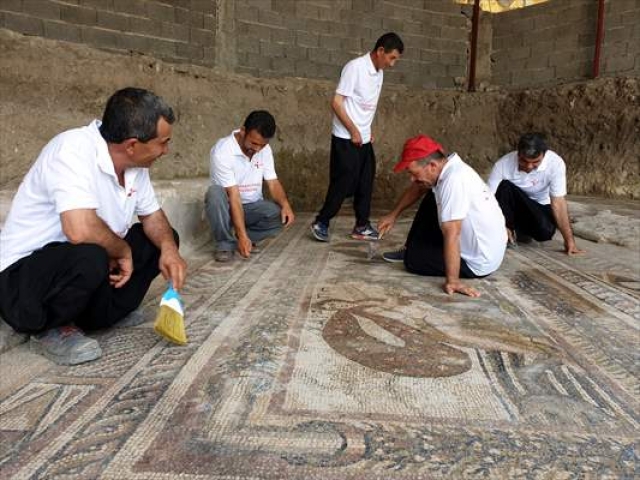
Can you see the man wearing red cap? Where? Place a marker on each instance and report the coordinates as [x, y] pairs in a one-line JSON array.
[[459, 230], [352, 166]]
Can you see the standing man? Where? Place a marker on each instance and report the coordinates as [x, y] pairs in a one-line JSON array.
[[352, 166], [68, 260], [530, 185], [237, 212], [459, 228]]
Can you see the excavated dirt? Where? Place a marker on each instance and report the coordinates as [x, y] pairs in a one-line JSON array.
[[48, 86]]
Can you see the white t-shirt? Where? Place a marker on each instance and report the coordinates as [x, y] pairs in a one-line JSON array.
[[462, 195], [548, 179], [361, 84], [73, 171], [229, 167]]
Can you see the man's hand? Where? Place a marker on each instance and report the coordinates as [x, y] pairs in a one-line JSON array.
[[120, 270], [287, 215], [173, 267], [457, 286], [572, 249], [386, 223], [356, 138], [244, 246]]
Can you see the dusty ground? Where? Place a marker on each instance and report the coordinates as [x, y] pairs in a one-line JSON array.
[[47, 86], [310, 361]]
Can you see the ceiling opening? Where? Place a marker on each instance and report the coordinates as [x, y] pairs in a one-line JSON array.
[[498, 6]]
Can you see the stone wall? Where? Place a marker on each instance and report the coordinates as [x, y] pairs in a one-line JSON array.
[[548, 43], [590, 124], [314, 39], [264, 38], [177, 30], [554, 42]]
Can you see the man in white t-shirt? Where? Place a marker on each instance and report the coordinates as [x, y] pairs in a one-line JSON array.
[[238, 214], [352, 164], [530, 185], [458, 230], [69, 257]]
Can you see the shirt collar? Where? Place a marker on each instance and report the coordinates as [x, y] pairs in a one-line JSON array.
[[370, 66], [105, 163], [235, 146], [451, 159]]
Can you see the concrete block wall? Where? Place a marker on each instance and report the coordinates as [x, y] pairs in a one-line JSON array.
[[175, 30], [554, 42], [315, 38], [621, 49]]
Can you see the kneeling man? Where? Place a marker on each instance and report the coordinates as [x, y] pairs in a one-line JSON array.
[[458, 231], [530, 184], [238, 214]]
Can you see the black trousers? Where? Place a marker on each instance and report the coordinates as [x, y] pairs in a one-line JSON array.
[[525, 216], [351, 172], [63, 283], [424, 254]]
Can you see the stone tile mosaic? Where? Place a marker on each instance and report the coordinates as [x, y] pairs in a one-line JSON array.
[[312, 361]]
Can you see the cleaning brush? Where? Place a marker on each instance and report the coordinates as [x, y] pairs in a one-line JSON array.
[[170, 320]]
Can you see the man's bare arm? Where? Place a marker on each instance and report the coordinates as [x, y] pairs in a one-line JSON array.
[[157, 228], [337, 105], [84, 226], [410, 196], [276, 190], [561, 215], [451, 233], [237, 218]]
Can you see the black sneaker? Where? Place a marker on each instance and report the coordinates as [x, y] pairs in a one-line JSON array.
[[396, 256], [320, 231]]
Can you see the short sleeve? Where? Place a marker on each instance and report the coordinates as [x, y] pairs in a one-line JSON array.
[[71, 173], [454, 198], [222, 173], [348, 77], [269, 168], [558, 183], [495, 177]]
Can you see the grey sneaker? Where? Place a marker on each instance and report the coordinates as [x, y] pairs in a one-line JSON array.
[[133, 319], [66, 346], [364, 232], [223, 256], [396, 256]]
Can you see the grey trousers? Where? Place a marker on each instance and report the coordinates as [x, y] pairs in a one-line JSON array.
[[262, 219]]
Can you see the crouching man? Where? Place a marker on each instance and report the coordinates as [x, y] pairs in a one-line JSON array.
[[69, 261]]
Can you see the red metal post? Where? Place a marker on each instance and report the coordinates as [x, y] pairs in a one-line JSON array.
[[599, 37], [474, 46]]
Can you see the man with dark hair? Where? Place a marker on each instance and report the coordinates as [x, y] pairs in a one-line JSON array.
[[69, 259], [352, 164], [530, 185], [459, 228], [238, 214]]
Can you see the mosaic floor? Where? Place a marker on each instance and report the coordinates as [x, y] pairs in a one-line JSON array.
[[312, 361]]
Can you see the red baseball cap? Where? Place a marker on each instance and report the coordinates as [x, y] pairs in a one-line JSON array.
[[417, 148]]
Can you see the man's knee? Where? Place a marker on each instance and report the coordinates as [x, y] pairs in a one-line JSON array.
[[216, 195], [505, 186], [92, 261]]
